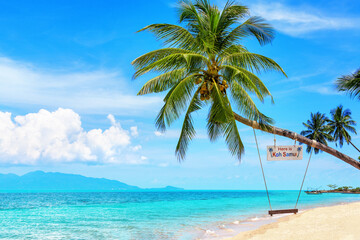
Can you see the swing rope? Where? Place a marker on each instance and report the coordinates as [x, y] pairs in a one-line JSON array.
[[304, 177], [262, 169]]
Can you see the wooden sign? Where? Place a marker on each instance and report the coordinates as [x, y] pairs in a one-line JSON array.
[[279, 153]]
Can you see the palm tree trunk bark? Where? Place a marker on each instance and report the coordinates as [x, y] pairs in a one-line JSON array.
[[300, 138], [354, 146]]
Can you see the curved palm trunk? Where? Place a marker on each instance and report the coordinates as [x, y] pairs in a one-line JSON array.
[[354, 146], [300, 138]]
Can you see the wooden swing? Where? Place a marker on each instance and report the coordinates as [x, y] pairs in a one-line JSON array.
[[280, 211]]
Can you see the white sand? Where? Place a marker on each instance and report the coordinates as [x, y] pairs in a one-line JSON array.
[[326, 223]]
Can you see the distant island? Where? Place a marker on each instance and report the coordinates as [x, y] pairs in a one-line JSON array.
[[335, 189], [55, 181]]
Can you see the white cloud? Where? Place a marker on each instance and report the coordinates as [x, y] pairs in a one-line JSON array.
[[158, 134], [112, 119], [59, 137], [295, 21], [134, 131], [136, 148], [175, 133], [91, 92], [323, 89], [164, 164]]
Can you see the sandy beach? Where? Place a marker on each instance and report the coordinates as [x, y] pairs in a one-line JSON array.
[[335, 222]]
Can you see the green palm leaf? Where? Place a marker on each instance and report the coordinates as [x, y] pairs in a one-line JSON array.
[[174, 61], [172, 35], [162, 82], [153, 56], [188, 130], [254, 26], [247, 106], [248, 80], [175, 102], [252, 62], [220, 111], [232, 139], [350, 84]]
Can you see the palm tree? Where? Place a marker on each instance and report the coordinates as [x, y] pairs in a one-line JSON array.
[[203, 64], [318, 130], [340, 123], [350, 84], [332, 186]]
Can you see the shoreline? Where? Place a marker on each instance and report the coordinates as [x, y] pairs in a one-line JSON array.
[[229, 230], [340, 221], [223, 229]]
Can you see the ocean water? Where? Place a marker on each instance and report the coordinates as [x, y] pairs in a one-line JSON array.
[[144, 215]]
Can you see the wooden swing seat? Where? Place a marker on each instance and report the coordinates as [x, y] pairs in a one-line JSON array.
[[282, 211]]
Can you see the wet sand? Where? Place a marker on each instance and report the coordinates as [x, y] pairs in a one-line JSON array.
[[335, 222]]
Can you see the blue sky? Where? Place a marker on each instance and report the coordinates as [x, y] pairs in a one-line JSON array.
[[68, 104]]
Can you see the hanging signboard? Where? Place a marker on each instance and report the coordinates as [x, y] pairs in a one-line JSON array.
[[279, 153]]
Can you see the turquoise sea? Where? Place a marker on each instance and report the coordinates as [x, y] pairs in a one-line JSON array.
[[143, 215]]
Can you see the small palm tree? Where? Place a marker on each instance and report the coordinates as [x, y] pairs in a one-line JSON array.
[[318, 130], [350, 84], [204, 64], [340, 123], [332, 186]]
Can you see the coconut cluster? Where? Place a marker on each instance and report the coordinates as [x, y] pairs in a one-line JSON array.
[[208, 85]]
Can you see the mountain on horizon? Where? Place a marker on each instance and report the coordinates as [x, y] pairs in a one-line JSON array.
[[55, 181]]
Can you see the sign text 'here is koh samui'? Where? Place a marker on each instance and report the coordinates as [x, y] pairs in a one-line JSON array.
[[278, 153]]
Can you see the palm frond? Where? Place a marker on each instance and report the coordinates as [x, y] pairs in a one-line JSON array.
[[254, 26], [189, 15], [188, 130], [234, 48], [232, 139], [172, 35], [163, 82], [229, 130], [252, 62], [214, 129], [246, 79], [175, 102], [174, 61], [220, 113], [153, 56], [350, 128], [247, 106], [231, 14], [350, 84], [220, 110]]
